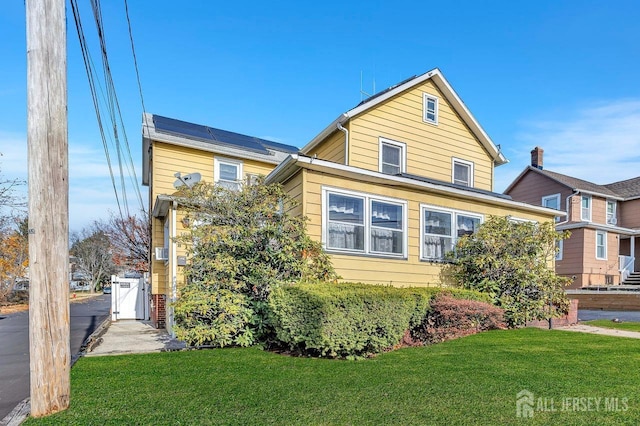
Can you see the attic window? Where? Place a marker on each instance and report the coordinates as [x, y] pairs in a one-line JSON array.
[[462, 172], [392, 157], [430, 109], [227, 173]]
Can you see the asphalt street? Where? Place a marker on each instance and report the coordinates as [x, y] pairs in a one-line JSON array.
[[85, 316]]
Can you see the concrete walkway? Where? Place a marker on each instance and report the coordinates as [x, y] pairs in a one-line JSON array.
[[583, 328], [133, 337]]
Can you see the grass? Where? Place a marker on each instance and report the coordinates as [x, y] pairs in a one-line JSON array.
[[468, 381], [628, 326]]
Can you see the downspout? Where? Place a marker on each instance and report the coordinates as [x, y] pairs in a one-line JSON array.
[[174, 261], [346, 143], [568, 207]]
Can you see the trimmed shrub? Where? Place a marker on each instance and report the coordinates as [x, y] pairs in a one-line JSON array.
[[349, 319], [450, 318], [207, 316]]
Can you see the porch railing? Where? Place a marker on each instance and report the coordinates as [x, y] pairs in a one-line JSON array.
[[626, 266]]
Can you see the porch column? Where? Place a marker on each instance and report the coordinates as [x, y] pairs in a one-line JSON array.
[[633, 253]]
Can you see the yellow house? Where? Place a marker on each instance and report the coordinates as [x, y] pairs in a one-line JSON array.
[[387, 187]]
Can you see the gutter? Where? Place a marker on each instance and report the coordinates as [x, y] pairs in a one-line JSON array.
[[294, 162]]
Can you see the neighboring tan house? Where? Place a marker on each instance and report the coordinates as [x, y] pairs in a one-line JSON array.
[[604, 221], [388, 186]]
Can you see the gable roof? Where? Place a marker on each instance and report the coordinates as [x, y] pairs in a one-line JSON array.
[[626, 189], [443, 85], [197, 136]]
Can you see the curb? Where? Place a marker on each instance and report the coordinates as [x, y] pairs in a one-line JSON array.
[[20, 413], [92, 341]]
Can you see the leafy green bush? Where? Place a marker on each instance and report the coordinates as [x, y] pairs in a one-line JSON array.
[[213, 317], [513, 263], [241, 244], [349, 319]]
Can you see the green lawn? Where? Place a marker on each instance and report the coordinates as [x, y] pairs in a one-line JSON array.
[[629, 326], [462, 382]]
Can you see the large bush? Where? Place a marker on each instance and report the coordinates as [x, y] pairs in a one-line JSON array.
[[240, 244], [450, 318], [350, 320], [513, 263]]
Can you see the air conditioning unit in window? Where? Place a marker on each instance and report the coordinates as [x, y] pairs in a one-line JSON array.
[[162, 253], [613, 221]]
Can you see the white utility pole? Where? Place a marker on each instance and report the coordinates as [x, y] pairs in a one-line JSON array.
[[48, 206]]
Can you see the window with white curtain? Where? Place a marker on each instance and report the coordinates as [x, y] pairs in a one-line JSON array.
[[345, 219], [363, 223], [441, 228]]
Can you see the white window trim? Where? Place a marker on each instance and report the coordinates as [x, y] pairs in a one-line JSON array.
[[425, 97], [590, 207], [454, 225], [560, 250], [604, 233], [615, 212], [217, 161], [552, 197], [368, 198], [460, 161], [403, 153]]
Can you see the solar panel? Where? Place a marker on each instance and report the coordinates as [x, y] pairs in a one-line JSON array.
[[278, 146], [212, 135], [183, 128], [236, 139]]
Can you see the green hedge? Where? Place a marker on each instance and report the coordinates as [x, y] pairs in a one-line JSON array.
[[350, 319]]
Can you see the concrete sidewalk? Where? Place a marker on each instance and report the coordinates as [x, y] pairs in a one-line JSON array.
[[133, 337], [583, 328]]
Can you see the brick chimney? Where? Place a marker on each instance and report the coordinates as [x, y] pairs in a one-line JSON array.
[[536, 157]]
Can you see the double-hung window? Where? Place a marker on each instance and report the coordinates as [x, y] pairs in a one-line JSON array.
[[362, 223], [585, 211], [462, 172], [227, 173], [552, 202], [601, 245], [441, 228], [393, 156], [430, 109], [611, 212]]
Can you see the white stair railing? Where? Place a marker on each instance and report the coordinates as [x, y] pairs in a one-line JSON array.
[[626, 266]]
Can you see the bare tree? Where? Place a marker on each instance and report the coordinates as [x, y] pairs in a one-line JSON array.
[[130, 240], [92, 249]]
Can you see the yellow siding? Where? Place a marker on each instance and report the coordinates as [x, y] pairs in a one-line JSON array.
[[169, 159], [332, 148], [294, 188], [380, 270], [430, 148]]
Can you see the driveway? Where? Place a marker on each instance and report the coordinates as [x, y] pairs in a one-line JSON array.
[[85, 316]]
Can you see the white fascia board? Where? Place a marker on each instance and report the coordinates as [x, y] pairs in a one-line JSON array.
[[324, 133], [598, 194], [295, 162], [599, 227]]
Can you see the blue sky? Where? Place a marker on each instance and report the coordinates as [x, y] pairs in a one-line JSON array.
[[559, 74]]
